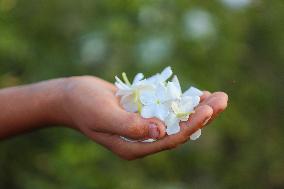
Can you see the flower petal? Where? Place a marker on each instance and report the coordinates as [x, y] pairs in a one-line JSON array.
[[162, 111], [172, 91], [172, 123], [188, 103], [153, 79], [192, 91], [147, 98], [195, 101], [138, 78], [195, 135], [166, 74], [121, 86], [176, 83], [122, 92], [144, 87], [161, 93], [148, 111], [175, 107], [128, 103]]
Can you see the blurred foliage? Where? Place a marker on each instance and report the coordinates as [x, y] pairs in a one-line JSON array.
[[231, 45]]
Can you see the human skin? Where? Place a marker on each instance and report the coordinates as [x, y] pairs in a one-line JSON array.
[[89, 105]]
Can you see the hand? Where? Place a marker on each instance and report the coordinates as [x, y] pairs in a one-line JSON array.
[[91, 106]]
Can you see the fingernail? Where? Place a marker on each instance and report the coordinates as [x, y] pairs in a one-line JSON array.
[[206, 121], [153, 131]]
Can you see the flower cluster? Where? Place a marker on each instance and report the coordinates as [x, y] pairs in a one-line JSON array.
[[159, 97]]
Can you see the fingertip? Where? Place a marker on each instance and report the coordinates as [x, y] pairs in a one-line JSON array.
[[142, 128], [160, 126], [222, 95], [218, 103]]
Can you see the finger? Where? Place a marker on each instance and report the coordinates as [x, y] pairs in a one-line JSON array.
[[214, 95], [218, 101], [205, 95], [130, 125], [130, 150], [187, 128]]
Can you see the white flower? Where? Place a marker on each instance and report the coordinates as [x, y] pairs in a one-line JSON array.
[[182, 106], [155, 103], [160, 98], [160, 78], [181, 110], [185, 106], [130, 92]]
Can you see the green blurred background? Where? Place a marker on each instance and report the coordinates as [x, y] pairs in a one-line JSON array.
[[236, 46]]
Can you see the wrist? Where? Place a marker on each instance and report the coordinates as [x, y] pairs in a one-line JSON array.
[[54, 102]]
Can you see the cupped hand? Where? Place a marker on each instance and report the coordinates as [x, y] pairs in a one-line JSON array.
[[91, 106]]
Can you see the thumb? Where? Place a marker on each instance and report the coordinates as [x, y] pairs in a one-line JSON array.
[[132, 125], [137, 127]]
